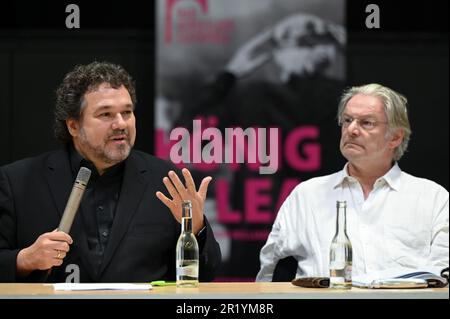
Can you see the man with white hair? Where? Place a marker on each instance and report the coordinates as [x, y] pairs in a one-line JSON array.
[[394, 219]]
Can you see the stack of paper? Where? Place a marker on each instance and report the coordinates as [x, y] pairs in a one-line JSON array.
[[402, 278]]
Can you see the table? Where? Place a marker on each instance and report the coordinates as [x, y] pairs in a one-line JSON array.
[[216, 290]]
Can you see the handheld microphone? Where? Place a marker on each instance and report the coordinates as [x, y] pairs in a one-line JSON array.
[[72, 204], [74, 199]]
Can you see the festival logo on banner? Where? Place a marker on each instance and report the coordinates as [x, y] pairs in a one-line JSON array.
[[247, 93], [188, 22]]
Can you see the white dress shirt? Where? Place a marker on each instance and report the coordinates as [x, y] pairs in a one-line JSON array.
[[402, 223]]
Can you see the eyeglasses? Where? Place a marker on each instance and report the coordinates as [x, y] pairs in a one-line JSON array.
[[365, 124]]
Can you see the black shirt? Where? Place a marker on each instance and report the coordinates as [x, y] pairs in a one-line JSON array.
[[99, 203]]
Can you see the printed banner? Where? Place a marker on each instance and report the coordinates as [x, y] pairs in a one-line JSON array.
[[247, 92]]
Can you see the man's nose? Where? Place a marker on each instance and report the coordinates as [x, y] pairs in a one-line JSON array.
[[119, 123], [354, 128]]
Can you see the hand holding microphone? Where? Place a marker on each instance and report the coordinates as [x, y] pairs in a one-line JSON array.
[[46, 252], [50, 248], [74, 199]]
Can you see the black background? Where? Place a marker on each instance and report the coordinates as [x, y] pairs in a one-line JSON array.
[[287, 308]]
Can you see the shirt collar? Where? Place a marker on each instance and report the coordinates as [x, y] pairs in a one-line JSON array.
[[391, 178], [77, 161]]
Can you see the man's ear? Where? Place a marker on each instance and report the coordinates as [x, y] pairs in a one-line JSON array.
[[73, 126], [396, 138]]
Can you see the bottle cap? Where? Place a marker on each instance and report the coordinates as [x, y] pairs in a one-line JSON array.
[[341, 204], [187, 203]]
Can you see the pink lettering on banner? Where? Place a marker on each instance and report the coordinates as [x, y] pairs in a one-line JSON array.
[[163, 147], [162, 144], [224, 214], [255, 199], [312, 151], [204, 32], [170, 7], [257, 196], [288, 185], [188, 22], [279, 149]]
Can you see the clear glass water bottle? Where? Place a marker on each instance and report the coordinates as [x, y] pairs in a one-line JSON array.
[[187, 250], [341, 252]]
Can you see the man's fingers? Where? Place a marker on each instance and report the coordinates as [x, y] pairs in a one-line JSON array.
[[178, 184], [57, 262], [59, 254], [60, 246], [59, 236], [203, 189], [172, 191], [163, 198], [189, 181]]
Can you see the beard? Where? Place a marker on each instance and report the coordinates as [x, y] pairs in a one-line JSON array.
[[108, 152]]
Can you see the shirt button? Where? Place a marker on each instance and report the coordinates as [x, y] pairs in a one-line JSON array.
[[100, 208], [105, 233]]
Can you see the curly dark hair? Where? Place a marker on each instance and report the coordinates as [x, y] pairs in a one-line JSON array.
[[81, 80]]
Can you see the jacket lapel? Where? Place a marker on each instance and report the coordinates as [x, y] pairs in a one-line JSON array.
[[60, 181], [132, 190]]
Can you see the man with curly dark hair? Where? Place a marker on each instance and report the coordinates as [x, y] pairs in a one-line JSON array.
[[126, 229]]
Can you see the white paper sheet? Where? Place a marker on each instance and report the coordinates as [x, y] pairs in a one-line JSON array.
[[105, 286]]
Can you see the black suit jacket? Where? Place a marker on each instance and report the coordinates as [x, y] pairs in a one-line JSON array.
[[141, 247]]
